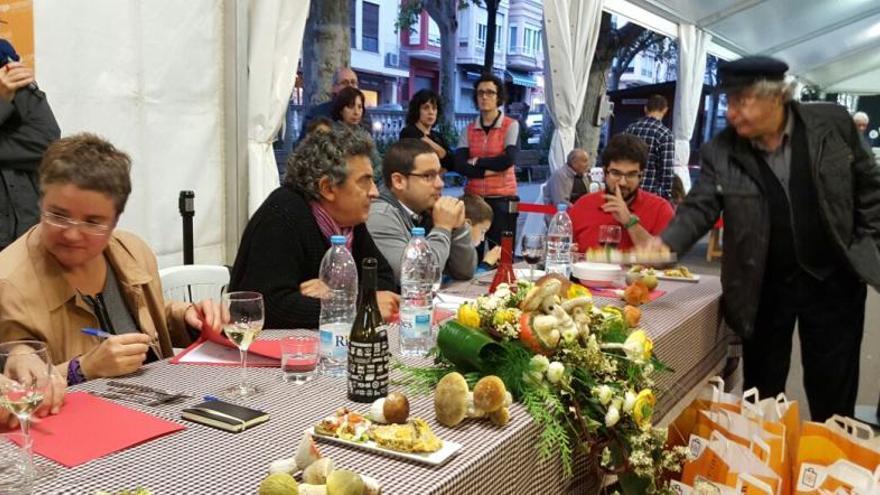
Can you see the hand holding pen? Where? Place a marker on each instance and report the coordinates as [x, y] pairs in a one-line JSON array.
[[117, 354]]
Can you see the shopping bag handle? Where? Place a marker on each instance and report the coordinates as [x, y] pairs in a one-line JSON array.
[[764, 448], [851, 427], [852, 474], [755, 482], [751, 404]]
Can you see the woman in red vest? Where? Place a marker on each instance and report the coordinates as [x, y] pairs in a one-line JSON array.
[[486, 155]]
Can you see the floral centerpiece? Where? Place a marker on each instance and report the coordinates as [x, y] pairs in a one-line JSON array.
[[582, 372]]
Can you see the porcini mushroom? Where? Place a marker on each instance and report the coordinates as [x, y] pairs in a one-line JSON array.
[[489, 394], [450, 399]]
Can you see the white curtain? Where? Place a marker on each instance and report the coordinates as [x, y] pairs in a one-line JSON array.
[[275, 31], [154, 89], [692, 45], [571, 29]]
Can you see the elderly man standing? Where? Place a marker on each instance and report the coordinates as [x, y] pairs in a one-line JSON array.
[[569, 183], [861, 120], [801, 202], [661, 147], [343, 78], [412, 197], [327, 191]]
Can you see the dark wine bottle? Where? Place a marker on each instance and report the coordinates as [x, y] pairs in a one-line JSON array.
[[505, 272], [368, 354]]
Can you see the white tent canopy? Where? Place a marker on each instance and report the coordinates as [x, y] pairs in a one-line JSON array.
[[834, 44]]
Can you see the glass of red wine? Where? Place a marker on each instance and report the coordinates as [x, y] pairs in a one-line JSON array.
[[609, 238], [532, 251]]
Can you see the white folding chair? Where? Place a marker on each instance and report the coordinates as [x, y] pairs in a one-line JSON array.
[[193, 283]]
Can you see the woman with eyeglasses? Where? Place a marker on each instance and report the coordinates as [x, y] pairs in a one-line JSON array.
[[74, 271], [421, 117], [640, 215], [486, 154]]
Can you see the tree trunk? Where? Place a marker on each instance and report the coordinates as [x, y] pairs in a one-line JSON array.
[[326, 48], [587, 133], [491, 27], [444, 14]]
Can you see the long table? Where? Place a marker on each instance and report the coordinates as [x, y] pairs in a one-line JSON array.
[[683, 322]]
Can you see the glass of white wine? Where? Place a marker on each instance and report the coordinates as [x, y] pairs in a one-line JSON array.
[[26, 382], [243, 315]]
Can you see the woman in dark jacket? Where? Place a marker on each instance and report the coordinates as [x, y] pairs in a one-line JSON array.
[[420, 119]]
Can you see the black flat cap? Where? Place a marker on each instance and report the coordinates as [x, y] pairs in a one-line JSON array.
[[738, 74]]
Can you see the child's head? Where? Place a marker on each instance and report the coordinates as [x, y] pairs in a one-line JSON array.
[[478, 214]]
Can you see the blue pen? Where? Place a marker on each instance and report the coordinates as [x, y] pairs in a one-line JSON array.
[[97, 332], [209, 398]]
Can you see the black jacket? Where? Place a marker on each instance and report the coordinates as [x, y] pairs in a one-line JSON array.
[[281, 248], [848, 190]]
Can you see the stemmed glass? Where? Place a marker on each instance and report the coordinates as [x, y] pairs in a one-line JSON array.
[[27, 381], [609, 238], [243, 315], [532, 251]]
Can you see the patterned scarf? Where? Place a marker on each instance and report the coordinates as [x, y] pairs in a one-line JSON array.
[[328, 226]]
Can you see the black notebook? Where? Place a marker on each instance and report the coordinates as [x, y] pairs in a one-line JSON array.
[[223, 415]]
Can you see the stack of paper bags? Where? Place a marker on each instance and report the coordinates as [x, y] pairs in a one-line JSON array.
[[742, 443]]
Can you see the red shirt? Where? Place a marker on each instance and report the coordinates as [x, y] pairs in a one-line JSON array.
[[586, 215]]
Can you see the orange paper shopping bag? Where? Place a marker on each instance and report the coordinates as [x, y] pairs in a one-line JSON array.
[[838, 438], [841, 477], [733, 465], [711, 397]]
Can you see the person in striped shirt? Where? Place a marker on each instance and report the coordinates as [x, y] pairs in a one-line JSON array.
[[661, 147]]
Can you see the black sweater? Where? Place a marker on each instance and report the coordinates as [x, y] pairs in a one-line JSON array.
[[281, 248]]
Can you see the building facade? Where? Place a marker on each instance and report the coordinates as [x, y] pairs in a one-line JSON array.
[[375, 51]]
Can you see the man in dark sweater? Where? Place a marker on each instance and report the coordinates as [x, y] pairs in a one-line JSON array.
[[327, 191]]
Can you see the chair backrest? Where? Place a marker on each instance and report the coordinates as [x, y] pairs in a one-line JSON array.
[[193, 283]]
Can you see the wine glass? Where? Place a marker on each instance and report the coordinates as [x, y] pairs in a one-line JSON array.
[[26, 382], [242, 322], [609, 238], [532, 251]]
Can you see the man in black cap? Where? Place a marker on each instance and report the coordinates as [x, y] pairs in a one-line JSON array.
[[801, 203], [27, 126]]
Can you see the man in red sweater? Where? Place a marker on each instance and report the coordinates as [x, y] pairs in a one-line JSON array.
[[641, 215]]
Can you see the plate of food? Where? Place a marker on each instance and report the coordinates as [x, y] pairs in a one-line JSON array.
[[412, 439]]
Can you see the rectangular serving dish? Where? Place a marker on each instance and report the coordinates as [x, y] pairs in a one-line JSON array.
[[434, 458]]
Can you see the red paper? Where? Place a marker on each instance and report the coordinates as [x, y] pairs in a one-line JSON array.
[[610, 293], [90, 427], [268, 348]]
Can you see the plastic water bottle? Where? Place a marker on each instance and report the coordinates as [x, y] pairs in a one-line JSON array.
[[339, 273], [416, 296], [597, 179], [559, 236]]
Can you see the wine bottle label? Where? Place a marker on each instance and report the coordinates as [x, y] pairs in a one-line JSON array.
[[368, 368]]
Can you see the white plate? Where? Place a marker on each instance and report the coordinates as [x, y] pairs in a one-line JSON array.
[[523, 273], [694, 278], [434, 458]]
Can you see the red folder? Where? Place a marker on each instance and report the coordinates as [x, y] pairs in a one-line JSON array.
[[267, 348], [90, 427]]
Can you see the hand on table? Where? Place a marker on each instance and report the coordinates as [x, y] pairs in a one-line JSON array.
[[204, 315], [389, 303], [116, 355]]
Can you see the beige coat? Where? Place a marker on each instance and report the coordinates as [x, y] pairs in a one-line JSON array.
[[36, 302]]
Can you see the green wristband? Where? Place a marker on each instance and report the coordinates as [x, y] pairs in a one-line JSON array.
[[633, 221]]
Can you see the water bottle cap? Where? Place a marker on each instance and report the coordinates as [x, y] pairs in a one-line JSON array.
[[561, 207], [337, 240], [418, 232]]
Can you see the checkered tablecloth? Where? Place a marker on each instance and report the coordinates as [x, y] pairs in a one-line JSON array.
[[203, 460]]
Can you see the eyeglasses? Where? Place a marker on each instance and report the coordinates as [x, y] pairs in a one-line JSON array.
[[62, 222], [617, 174], [428, 177], [486, 93]]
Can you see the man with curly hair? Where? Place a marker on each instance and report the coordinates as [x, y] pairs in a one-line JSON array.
[[327, 191]]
